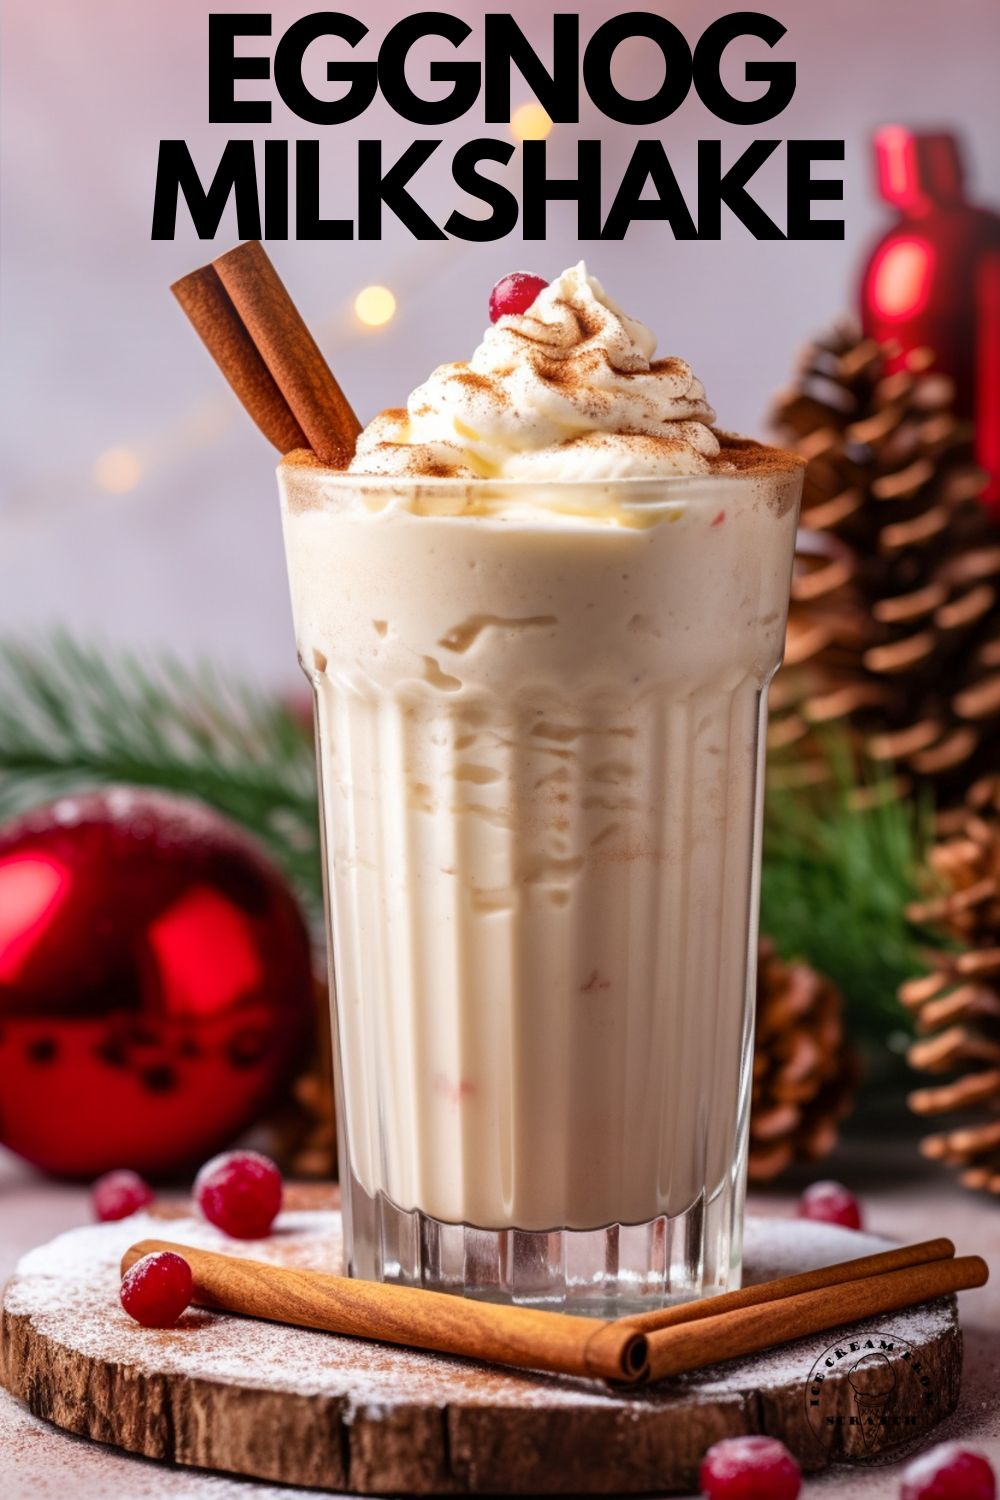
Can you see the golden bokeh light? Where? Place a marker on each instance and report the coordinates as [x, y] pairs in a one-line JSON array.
[[374, 306], [530, 122], [117, 470]]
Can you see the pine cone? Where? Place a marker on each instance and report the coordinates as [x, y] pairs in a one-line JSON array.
[[805, 1071], [894, 627], [304, 1128], [957, 1006]]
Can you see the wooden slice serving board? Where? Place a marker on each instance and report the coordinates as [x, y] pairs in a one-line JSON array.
[[309, 1408]]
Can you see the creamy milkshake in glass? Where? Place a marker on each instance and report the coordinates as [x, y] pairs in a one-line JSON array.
[[540, 613]]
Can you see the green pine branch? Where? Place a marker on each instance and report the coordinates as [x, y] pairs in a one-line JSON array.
[[839, 873], [74, 717], [837, 878]]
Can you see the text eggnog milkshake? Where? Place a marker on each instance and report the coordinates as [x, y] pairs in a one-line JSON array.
[[540, 612]]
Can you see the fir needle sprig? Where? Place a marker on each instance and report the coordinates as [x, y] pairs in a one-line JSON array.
[[842, 863], [76, 716]]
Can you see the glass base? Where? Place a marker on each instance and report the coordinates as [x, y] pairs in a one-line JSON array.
[[605, 1273]]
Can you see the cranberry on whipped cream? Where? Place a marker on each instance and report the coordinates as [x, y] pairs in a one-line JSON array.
[[568, 389]]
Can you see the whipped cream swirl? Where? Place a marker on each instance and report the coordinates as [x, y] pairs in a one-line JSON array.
[[567, 390]]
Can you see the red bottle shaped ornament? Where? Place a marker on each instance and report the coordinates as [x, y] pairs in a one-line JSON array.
[[933, 281]]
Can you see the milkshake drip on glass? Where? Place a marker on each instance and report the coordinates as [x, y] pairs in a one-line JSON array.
[[540, 613]]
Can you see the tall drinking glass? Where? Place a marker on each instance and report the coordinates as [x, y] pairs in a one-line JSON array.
[[541, 713]]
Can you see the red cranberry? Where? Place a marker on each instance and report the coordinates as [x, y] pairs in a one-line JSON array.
[[830, 1203], [118, 1194], [514, 294], [157, 1289], [949, 1472], [749, 1468], [240, 1193]]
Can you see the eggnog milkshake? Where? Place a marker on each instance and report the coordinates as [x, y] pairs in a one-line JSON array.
[[540, 612]]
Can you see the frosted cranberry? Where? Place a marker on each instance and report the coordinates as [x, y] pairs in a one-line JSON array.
[[240, 1193], [949, 1472], [157, 1289], [118, 1194], [830, 1203], [514, 294], [749, 1468]]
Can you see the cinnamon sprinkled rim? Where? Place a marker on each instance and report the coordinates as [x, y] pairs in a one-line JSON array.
[[740, 458]]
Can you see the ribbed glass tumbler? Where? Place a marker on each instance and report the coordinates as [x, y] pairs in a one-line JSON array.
[[540, 727]]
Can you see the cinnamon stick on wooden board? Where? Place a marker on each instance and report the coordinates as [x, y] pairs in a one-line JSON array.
[[788, 1286], [489, 1331], [748, 1330], [242, 312], [714, 1329]]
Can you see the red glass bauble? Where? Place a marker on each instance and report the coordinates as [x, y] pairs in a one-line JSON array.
[[155, 983]]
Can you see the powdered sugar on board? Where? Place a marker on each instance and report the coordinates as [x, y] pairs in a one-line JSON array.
[[69, 1290]]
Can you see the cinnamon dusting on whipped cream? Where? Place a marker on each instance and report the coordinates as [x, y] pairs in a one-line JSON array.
[[567, 390]]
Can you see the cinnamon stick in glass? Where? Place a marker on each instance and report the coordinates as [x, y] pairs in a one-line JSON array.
[[221, 329], [289, 351], [504, 1335], [243, 314]]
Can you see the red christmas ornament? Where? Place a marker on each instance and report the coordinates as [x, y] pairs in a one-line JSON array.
[[933, 281], [155, 983]]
